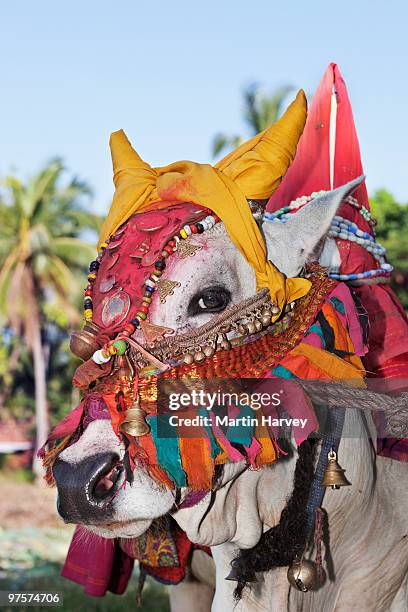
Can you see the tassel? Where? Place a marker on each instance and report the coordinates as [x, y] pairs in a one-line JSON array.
[[318, 536], [49, 458]]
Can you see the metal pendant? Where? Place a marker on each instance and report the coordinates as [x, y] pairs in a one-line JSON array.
[[83, 343], [234, 577], [165, 288], [115, 308], [187, 249], [152, 332]]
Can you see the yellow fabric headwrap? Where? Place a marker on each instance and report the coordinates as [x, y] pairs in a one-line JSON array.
[[254, 170]]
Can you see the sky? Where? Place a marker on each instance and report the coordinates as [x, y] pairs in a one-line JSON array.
[[171, 74]]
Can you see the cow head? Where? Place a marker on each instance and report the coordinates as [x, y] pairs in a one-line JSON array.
[[87, 473]]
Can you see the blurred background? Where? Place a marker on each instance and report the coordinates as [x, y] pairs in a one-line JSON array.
[[185, 80]]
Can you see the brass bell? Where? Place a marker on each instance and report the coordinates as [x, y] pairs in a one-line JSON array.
[[243, 330], [258, 325], [83, 343], [135, 422], [251, 327], [199, 356], [303, 575], [225, 343], [208, 351], [234, 576], [334, 474]]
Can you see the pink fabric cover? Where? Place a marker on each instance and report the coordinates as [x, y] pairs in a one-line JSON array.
[[96, 563], [310, 171], [129, 260]]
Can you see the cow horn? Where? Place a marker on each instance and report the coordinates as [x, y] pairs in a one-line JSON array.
[[258, 165], [124, 157]]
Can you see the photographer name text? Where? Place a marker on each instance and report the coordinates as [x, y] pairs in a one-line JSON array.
[[176, 420]]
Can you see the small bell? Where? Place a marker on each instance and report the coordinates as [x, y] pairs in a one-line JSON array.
[[303, 575], [233, 576], [135, 421], [334, 474], [83, 343]]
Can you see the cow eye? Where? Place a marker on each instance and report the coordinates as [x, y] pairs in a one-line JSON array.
[[211, 299]]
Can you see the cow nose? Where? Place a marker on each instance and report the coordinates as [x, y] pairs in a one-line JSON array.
[[86, 488]]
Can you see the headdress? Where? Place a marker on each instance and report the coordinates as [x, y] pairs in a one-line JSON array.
[[254, 170]]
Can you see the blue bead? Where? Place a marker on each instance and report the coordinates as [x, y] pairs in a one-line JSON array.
[[93, 266]]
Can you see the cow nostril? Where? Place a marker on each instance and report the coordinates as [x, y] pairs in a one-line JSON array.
[[86, 488], [106, 485]]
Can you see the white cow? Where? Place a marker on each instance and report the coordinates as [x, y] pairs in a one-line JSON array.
[[368, 523]]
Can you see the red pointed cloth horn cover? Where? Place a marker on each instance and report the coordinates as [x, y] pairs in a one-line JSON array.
[[310, 170]]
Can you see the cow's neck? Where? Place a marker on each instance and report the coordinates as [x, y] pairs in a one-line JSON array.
[[252, 502]]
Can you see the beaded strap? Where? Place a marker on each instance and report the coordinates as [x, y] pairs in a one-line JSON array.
[[343, 229]]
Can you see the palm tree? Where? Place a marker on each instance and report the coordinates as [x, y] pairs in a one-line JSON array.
[[40, 254], [260, 111]]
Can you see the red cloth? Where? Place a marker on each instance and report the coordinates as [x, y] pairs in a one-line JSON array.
[[310, 170], [130, 256], [101, 565], [96, 563], [394, 372], [388, 335]]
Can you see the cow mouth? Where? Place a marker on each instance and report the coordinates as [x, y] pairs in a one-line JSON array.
[[121, 529], [109, 483]]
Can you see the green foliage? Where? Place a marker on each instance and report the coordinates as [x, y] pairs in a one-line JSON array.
[[392, 233], [44, 254], [47, 579], [41, 245], [260, 110], [31, 559]]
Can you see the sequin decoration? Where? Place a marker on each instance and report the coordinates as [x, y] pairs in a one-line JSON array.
[[107, 283], [142, 249], [115, 308], [114, 244], [119, 232], [112, 260], [151, 222]]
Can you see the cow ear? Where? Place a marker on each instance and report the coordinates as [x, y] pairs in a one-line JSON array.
[[290, 244]]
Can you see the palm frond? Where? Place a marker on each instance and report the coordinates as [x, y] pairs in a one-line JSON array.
[[6, 275], [222, 141], [262, 109], [74, 251], [39, 187]]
